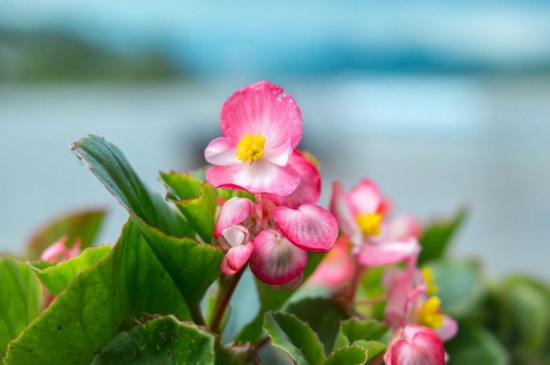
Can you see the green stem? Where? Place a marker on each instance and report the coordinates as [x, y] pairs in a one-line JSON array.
[[379, 359], [196, 314], [224, 302]]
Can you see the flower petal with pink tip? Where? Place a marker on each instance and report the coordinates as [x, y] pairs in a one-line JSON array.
[[221, 152], [365, 198], [236, 235], [309, 189], [275, 260], [416, 345], [387, 253], [263, 108], [340, 206], [237, 256], [260, 177], [309, 227], [234, 211]]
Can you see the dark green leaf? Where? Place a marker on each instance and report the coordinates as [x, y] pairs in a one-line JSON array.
[[273, 299], [20, 299], [295, 337], [83, 225], [348, 355], [160, 341], [97, 303], [196, 201], [57, 277], [461, 287], [438, 235], [110, 166], [476, 345], [322, 315]]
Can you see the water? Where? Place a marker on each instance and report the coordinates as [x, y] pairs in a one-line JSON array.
[[433, 144]]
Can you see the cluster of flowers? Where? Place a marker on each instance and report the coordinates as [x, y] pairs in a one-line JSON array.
[[261, 127]]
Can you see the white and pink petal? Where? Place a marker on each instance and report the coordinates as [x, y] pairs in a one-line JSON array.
[[233, 212], [387, 253], [275, 260], [309, 227], [220, 151]]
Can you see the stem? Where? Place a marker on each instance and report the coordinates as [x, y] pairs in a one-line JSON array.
[[379, 359], [196, 314], [261, 344], [227, 294]]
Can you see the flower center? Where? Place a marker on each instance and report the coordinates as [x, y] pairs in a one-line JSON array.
[[250, 148], [369, 223], [428, 276], [429, 314]]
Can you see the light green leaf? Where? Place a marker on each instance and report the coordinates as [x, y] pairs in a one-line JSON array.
[[57, 277], [354, 329], [83, 225], [438, 235], [460, 284], [476, 345], [273, 299], [20, 299], [195, 199], [348, 355], [295, 337], [97, 305], [110, 166], [160, 341]]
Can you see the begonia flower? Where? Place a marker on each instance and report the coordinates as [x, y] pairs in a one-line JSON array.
[[362, 215], [58, 252], [261, 126], [415, 345]]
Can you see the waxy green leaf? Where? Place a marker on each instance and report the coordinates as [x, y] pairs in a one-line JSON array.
[[112, 168], [191, 265], [82, 225], [57, 277], [367, 334], [438, 235], [195, 199], [98, 303], [295, 337], [163, 340], [20, 299]]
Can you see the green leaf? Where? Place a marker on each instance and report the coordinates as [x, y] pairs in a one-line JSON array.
[[96, 305], [160, 341], [83, 225], [20, 299], [460, 284], [273, 299], [476, 345], [322, 315], [295, 337], [348, 355], [192, 266], [57, 277], [438, 235], [196, 201], [110, 166], [364, 332]]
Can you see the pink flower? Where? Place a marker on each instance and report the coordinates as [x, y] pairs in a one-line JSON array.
[[57, 251], [362, 215], [261, 127], [415, 345]]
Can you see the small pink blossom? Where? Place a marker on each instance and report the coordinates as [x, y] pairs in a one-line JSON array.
[[58, 252], [363, 216], [415, 345], [261, 126], [337, 268]]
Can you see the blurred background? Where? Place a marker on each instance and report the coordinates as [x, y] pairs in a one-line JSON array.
[[444, 104]]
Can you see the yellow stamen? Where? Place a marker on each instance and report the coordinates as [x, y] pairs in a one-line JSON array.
[[250, 148], [369, 223], [428, 276], [430, 315]]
